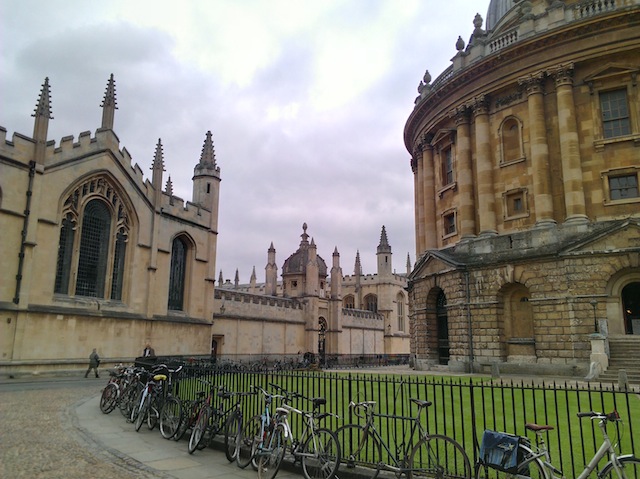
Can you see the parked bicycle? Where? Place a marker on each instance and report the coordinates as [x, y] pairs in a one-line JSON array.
[[255, 431], [431, 456], [317, 448], [507, 455], [151, 398], [110, 397]]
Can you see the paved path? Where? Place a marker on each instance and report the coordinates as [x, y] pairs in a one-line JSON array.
[[52, 434]]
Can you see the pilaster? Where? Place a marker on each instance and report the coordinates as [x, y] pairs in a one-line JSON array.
[[464, 174]]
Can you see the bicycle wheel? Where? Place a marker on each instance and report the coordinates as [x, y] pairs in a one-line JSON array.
[[213, 428], [232, 432], [629, 469], [127, 400], [249, 436], [109, 398], [170, 417], [359, 450], [321, 455], [270, 457], [142, 412], [199, 428], [437, 456], [533, 468], [153, 415]]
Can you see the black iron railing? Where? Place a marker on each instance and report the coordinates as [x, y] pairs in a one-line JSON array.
[[463, 407]]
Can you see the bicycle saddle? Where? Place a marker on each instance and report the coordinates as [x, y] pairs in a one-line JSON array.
[[420, 402], [319, 402], [537, 427]]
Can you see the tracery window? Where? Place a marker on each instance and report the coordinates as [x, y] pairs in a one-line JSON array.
[[348, 302], [371, 303], [178, 273], [92, 242], [400, 306]]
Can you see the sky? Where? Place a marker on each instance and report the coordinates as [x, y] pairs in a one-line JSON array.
[[306, 101]]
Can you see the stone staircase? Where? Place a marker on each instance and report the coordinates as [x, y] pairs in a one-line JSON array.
[[624, 353]]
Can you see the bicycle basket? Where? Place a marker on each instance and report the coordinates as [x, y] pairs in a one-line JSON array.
[[499, 450]]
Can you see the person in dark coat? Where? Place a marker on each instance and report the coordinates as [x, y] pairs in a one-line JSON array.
[[94, 362]]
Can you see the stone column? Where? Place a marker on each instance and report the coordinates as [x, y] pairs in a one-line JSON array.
[[569, 145], [539, 149], [464, 173], [429, 195], [484, 167], [417, 166]]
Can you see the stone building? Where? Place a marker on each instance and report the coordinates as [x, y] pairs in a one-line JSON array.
[[314, 308], [526, 157], [97, 256]]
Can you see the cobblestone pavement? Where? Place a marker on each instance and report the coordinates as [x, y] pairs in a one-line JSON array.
[[39, 440]]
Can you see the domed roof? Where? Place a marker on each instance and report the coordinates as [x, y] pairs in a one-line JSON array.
[[297, 262], [497, 10]]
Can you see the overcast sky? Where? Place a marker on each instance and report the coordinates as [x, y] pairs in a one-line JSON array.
[[306, 100]]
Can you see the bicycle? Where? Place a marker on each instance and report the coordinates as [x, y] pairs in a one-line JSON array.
[[171, 408], [317, 449], [432, 456], [255, 432], [110, 397], [151, 397], [516, 456], [211, 420]]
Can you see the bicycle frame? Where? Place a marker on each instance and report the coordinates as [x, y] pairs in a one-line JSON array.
[[607, 448], [400, 463]]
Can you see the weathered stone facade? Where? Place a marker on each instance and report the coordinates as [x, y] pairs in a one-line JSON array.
[[526, 167], [91, 250]]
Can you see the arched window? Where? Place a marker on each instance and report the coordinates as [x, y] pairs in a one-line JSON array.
[[177, 274], [371, 303], [348, 302], [511, 140], [95, 217], [400, 309]]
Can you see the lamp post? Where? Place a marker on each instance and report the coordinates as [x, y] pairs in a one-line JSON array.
[[594, 304]]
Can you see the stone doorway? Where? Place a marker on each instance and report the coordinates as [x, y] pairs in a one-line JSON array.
[[631, 308], [443, 329]]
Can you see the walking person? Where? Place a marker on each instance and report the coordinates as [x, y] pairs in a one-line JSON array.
[[94, 362]]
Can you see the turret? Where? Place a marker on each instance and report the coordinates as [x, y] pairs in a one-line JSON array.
[[336, 276], [384, 255], [311, 278], [357, 271], [252, 281], [271, 273], [109, 105], [42, 115], [206, 181]]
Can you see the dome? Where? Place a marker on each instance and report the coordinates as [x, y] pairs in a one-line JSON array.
[[497, 10], [297, 262]]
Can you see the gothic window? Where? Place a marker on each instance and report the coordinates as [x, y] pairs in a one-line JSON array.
[[371, 303], [615, 113], [400, 308], [92, 242], [177, 274], [348, 302]]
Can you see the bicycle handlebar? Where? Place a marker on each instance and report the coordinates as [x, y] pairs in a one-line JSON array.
[[612, 416]]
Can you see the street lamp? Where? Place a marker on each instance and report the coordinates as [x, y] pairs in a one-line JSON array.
[[594, 303]]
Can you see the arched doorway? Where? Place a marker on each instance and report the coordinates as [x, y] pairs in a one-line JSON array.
[[443, 328], [631, 308], [517, 324], [322, 333]]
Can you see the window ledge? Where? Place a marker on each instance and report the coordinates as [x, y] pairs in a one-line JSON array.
[[517, 217], [512, 162], [451, 186], [599, 145], [624, 201]]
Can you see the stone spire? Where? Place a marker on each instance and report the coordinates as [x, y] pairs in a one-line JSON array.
[[220, 279], [206, 178], [357, 270], [208, 155], [336, 276], [42, 115], [384, 254], [109, 104], [252, 281], [408, 264], [236, 280], [157, 169]]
